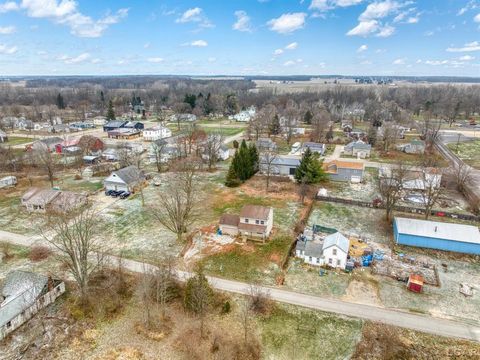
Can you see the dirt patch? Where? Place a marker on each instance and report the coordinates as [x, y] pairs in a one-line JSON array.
[[362, 292]]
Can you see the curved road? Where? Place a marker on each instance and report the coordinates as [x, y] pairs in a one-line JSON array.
[[403, 319]]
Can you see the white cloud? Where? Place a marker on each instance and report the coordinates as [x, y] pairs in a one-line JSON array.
[[155, 60], [243, 21], [146, 45], [74, 60], [96, 61], [197, 43], [364, 28], [436, 62], [324, 5], [386, 31], [6, 50], [278, 52], [212, 59], [466, 58], [289, 63], [6, 30], [477, 18], [288, 23], [195, 15], [366, 62], [379, 10], [468, 47], [65, 12], [362, 48], [291, 46], [413, 20], [8, 6], [400, 61]]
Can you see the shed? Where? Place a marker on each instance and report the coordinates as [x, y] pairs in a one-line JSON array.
[[437, 235], [229, 224], [415, 283]]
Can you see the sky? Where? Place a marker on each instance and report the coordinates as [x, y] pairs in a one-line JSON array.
[[240, 37]]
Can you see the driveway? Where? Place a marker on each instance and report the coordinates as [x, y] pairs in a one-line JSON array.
[[422, 323]]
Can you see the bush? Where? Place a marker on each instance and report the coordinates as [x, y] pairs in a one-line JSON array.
[[39, 253], [226, 307]]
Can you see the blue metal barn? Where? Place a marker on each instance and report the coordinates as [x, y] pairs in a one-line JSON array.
[[437, 235]]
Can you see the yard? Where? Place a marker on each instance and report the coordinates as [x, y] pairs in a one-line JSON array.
[[18, 140], [468, 152]]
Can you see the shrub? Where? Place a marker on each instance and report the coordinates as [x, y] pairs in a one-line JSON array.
[[39, 253]]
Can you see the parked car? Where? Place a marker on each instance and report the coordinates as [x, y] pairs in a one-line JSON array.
[[125, 195], [117, 193], [109, 192]]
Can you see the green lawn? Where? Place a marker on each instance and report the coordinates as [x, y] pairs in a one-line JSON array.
[[295, 333], [224, 131], [468, 152], [15, 140]]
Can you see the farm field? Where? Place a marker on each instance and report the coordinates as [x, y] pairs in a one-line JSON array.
[[468, 152]]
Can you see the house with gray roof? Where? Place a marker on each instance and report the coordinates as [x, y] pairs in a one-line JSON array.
[[114, 125], [23, 295], [358, 149], [42, 200], [416, 146], [47, 144], [125, 179], [331, 251], [283, 165]]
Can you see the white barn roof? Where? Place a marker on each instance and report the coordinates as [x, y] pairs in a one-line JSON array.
[[438, 230]]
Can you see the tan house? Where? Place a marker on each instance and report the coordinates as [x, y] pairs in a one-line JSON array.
[[254, 223], [41, 200]]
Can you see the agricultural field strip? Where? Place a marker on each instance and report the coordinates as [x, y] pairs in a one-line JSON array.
[[392, 317]]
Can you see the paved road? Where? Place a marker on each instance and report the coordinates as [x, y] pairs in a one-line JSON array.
[[388, 316]]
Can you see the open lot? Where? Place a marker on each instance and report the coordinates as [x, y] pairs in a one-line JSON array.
[[17, 140], [468, 152]]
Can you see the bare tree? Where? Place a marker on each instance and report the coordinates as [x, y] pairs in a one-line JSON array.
[[158, 150], [73, 234], [211, 148], [432, 189], [268, 158], [47, 161], [390, 186], [290, 120], [175, 208], [320, 121], [462, 174], [198, 296]]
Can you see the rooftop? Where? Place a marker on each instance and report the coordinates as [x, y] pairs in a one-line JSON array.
[[255, 212], [438, 230]]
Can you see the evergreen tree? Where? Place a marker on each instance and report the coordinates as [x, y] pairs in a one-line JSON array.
[[308, 117], [110, 111], [235, 144], [190, 99], [275, 127], [60, 102], [102, 97], [232, 179], [254, 159], [310, 169]]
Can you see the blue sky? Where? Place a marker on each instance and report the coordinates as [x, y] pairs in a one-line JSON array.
[[240, 37]]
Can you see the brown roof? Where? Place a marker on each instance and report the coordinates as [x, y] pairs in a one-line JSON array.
[[344, 164], [416, 279], [255, 212], [252, 227], [228, 219]]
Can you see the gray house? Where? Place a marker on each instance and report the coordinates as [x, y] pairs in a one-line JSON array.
[[47, 144], [413, 147], [339, 170], [282, 165], [266, 144], [358, 149], [126, 179], [314, 147], [23, 295]]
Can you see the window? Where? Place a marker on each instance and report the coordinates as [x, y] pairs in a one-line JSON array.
[[334, 252], [338, 262], [310, 258], [318, 260], [257, 222], [246, 221], [330, 261], [9, 324], [262, 222]]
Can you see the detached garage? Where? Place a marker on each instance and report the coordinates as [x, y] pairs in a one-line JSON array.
[[126, 179], [437, 235]]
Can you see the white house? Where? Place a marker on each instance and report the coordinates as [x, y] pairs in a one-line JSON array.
[[244, 116], [223, 153], [156, 133], [8, 181], [3, 136], [126, 179], [23, 295], [99, 121], [331, 251], [254, 222]]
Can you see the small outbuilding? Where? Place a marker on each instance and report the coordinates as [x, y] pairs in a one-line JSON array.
[[415, 283], [8, 181]]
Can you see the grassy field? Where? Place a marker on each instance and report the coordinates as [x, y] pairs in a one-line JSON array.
[[468, 152], [224, 131], [393, 156], [294, 333], [17, 140]]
